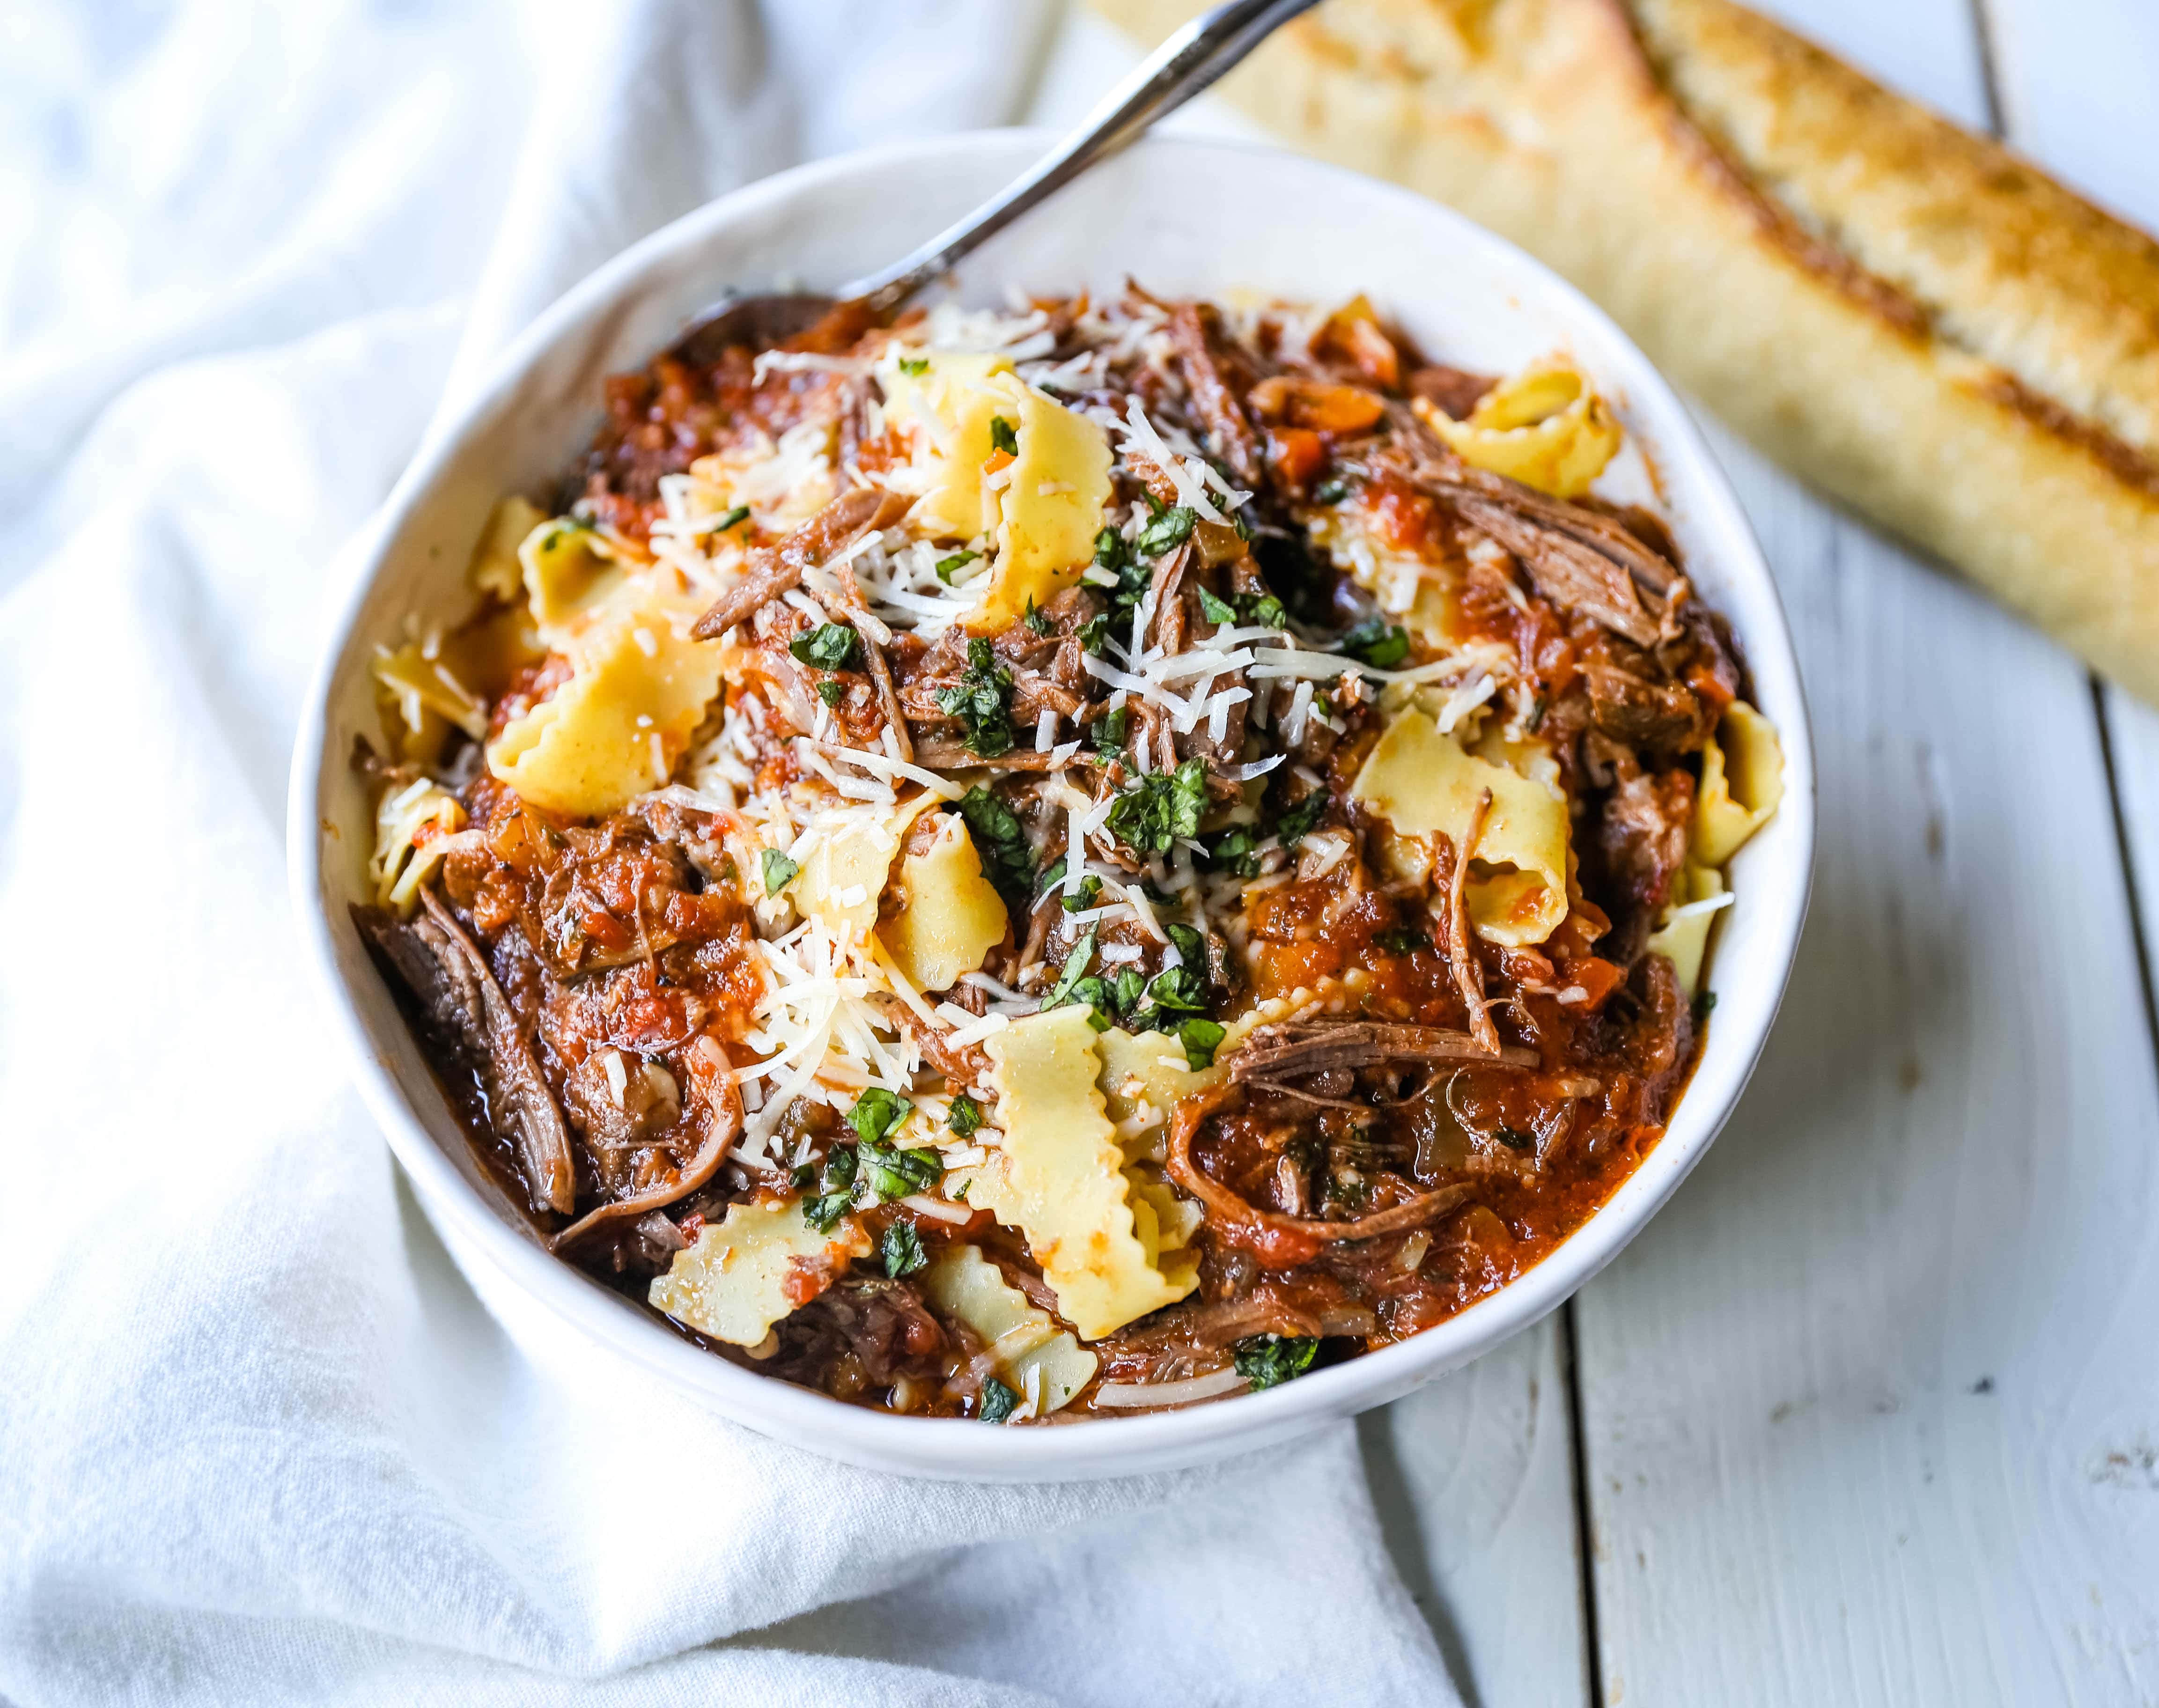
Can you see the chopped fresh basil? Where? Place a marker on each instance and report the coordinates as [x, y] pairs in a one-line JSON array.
[[1095, 633], [1231, 851], [1170, 529], [999, 840], [947, 567], [823, 1213], [1074, 970], [839, 1166], [914, 367], [966, 1116], [1003, 436], [1160, 807], [1266, 1360], [1169, 996], [1377, 643], [1036, 622], [779, 870], [1108, 731], [1298, 820], [1089, 887], [998, 1402], [982, 702], [876, 1112], [1403, 940], [891, 1173], [733, 518], [832, 692], [1190, 946], [903, 1251], [1217, 611], [1330, 492], [1200, 1039], [830, 646]]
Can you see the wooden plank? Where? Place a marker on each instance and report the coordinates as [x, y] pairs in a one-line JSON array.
[[2075, 78], [1474, 1479], [1472, 1476], [1870, 1411]]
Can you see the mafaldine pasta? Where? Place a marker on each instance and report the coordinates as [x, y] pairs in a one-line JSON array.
[[1066, 863]]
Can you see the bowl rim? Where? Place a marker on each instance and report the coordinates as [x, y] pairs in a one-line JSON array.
[[955, 1448]]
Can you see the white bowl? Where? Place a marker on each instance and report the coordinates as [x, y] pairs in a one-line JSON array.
[[1183, 217]]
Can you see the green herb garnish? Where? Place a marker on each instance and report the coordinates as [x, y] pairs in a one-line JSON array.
[[1074, 970], [1266, 1360], [1200, 1039], [998, 1402], [830, 646], [1160, 807], [999, 840], [982, 702], [876, 1112], [1036, 622], [1377, 643], [903, 1251], [832, 692], [1089, 887], [1003, 436], [823, 1213], [1219, 612], [1297, 821], [779, 870], [1170, 529], [733, 518], [1231, 851], [914, 367], [967, 1115], [947, 567], [1402, 939], [892, 1173], [1330, 492], [1107, 732]]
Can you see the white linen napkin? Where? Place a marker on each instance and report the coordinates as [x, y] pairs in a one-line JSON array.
[[258, 1441]]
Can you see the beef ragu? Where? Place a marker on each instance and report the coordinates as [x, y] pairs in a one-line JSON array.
[[1083, 860]]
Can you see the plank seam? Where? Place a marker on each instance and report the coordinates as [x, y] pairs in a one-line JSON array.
[[1592, 1650], [2123, 853], [1985, 31], [1989, 82]]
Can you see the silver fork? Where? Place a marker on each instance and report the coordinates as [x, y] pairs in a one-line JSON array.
[[1188, 62]]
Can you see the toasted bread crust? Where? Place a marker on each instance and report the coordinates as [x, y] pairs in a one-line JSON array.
[[1910, 317]]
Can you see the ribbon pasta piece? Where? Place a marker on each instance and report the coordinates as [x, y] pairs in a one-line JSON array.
[[946, 915], [1040, 492], [1682, 932], [746, 1273], [413, 827], [1544, 427], [1743, 783], [1037, 1358], [639, 689], [1426, 785], [1058, 1176]]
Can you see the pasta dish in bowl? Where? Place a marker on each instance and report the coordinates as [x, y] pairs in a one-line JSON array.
[[1068, 861]]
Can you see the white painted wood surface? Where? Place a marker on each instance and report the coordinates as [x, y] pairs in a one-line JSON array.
[[1871, 1413]]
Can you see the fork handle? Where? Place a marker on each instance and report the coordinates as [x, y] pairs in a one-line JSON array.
[[1179, 68]]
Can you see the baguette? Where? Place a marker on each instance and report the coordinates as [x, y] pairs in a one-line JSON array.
[[1908, 315]]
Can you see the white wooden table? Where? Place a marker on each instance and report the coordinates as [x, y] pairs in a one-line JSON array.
[[1870, 1414]]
